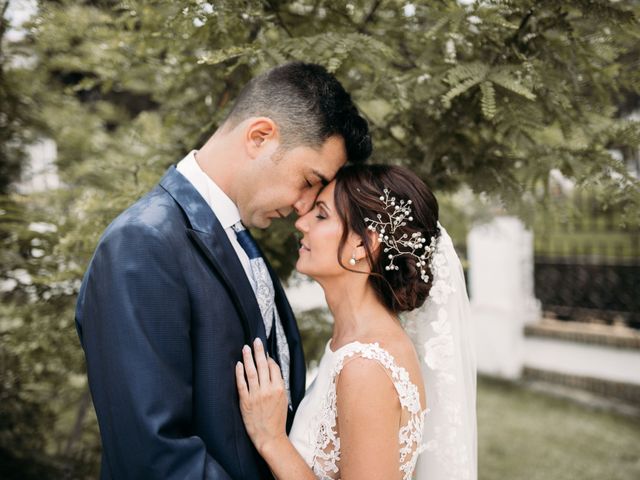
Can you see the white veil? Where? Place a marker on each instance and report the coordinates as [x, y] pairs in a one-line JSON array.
[[442, 332]]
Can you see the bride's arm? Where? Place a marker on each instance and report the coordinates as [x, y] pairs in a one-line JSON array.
[[368, 417], [285, 461], [263, 403], [368, 411]]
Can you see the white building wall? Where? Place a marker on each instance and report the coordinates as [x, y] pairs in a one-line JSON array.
[[502, 303], [579, 359]]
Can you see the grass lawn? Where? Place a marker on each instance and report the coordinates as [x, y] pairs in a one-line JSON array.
[[530, 435]]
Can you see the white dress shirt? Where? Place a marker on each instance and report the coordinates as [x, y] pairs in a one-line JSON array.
[[223, 207]]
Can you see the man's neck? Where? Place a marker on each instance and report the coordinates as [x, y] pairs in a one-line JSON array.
[[213, 159]]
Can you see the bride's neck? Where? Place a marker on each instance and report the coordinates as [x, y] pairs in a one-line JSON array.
[[355, 308]]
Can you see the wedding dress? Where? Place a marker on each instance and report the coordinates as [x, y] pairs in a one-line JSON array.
[[314, 431], [438, 443]]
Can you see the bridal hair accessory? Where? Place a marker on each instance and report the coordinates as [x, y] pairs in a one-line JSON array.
[[397, 213]]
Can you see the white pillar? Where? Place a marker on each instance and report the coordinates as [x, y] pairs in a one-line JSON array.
[[502, 296]]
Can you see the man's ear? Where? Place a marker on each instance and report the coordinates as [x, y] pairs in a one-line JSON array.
[[261, 135]]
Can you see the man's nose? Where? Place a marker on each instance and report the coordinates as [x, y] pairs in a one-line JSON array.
[[306, 201]]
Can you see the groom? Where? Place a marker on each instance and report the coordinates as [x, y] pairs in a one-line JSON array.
[[169, 297]]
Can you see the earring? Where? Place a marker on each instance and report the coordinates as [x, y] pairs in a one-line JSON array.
[[352, 260]]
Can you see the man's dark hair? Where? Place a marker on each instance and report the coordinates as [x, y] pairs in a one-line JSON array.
[[308, 104]]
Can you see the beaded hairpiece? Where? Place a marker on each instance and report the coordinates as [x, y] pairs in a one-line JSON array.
[[398, 212]]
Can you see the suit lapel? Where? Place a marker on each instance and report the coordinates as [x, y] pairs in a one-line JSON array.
[[231, 272], [211, 240], [208, 236]]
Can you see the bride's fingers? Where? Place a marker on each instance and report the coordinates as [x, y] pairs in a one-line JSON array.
[[276, 376], [250, 369], [243, 390], [261, 362]]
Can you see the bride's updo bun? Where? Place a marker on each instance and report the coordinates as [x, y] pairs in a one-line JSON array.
[[357, 197]]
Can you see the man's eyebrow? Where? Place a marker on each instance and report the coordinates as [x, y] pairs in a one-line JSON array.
[[322, 178]]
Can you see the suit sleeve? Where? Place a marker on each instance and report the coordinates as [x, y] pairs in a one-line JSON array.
[[133, 319]]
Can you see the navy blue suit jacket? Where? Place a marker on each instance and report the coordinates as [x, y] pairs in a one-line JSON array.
[[163, 312]]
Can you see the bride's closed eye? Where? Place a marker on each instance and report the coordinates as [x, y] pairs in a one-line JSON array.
[[319, 216]]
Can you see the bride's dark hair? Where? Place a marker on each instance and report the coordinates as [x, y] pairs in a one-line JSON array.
[[357, 196]]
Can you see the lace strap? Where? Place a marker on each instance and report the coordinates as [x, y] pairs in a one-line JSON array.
[[407, 391]]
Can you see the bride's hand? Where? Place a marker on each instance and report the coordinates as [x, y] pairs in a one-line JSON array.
[[263, 399]]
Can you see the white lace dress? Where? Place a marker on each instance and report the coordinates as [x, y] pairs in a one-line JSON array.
[[314, 431]]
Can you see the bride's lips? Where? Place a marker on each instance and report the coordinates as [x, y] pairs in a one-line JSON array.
[[303, 247]]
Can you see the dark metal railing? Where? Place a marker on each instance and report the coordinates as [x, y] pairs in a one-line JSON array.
[[587, 264]]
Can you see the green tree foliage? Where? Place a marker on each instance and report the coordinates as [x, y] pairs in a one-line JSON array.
[[491, 94], [16, 121]]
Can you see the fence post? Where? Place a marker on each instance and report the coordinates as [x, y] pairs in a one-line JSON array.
[[501, 287]]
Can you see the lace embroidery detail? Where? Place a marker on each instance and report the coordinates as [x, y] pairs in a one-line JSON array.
[[327, 448]]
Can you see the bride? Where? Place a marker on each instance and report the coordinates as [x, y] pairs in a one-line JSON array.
[[394, 398]]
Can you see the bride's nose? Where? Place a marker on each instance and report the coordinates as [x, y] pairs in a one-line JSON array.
[[301, 224]]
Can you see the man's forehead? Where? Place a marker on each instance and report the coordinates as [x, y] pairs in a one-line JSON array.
[[324, 178], [328, 159], [334, 151]]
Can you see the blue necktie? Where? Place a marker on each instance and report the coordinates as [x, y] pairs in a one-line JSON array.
[[247, 243], [277, 344]]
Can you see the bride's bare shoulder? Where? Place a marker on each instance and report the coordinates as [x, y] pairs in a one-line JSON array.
[[400, 346], [365, 375], [364, 383], [397, 345]]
